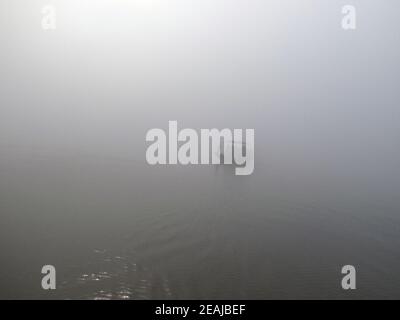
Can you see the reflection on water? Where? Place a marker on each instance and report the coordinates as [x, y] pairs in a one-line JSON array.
[[113, 277]]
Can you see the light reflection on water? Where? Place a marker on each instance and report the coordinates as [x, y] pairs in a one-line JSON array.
[[117, 278]]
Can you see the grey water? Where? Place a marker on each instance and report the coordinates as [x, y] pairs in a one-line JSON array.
[[76, 191]]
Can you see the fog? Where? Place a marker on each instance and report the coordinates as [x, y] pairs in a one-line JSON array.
[[75, 106]]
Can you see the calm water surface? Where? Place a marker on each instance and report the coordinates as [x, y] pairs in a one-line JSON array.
[[116, 229]]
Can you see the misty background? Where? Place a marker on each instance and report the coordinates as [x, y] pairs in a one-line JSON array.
[[76, 191]]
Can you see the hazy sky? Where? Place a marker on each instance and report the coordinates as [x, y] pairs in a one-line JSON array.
[[322, 100]]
